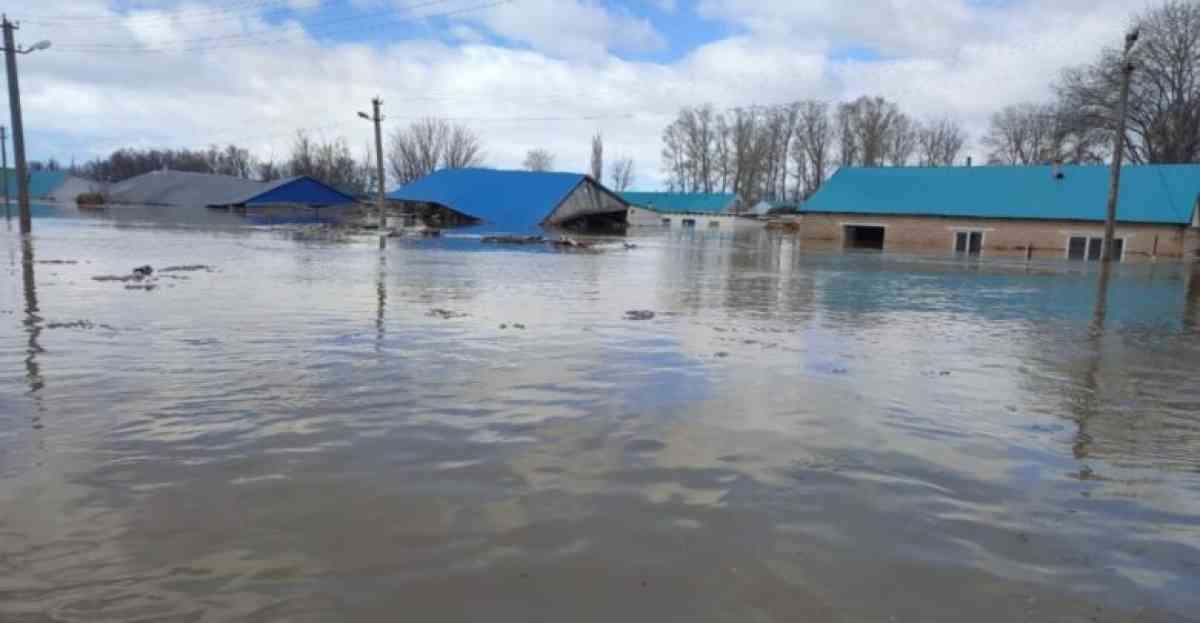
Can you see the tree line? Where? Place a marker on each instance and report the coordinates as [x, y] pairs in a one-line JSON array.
[[786, 152]]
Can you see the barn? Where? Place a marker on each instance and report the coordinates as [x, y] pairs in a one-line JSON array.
[[512, 202]]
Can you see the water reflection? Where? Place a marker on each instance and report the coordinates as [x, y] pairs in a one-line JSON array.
[[33, 319], [1191, 310]]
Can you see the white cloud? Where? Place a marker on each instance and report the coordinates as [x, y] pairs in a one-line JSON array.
[[566, 82], [576, 29]]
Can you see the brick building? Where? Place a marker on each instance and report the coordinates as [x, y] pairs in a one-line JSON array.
[[1046, 210]]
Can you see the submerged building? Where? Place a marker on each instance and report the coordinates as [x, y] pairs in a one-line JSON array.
[[181, 189], [1047, 211], [512, 202], [685, 210], [56, 186]]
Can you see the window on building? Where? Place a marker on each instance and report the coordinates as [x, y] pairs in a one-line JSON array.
[[1092, 249], [688, 222], [666, 221], [968, 242]]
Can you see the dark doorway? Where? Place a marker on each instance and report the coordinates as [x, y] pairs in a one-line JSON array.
[[864, 237]]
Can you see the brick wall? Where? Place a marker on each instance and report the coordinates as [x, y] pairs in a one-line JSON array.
[[1000, 237]]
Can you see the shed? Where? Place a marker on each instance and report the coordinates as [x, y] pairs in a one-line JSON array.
[[516, 202], [293, 191]]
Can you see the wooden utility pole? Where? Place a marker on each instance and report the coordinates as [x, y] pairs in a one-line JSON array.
[[14, 105], [1114, 187]]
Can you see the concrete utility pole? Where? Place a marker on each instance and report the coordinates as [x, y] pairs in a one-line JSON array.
[[381, 200], [4, 167], [14, 104], [1114, 188]]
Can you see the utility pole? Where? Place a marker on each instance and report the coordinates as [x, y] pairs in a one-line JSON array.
[[4, 167], [14, 105], [381, 200], [1114, 187]]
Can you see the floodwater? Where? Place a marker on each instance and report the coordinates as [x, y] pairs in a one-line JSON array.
[[305, 429]]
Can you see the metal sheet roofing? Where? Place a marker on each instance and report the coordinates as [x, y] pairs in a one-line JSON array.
[[1160, 194], [301, 189], [180, 188], [506, 201], [41, 183], [701, 203]]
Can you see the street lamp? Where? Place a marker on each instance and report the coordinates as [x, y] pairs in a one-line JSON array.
[[14, 105], [377, 119], [40, 45]]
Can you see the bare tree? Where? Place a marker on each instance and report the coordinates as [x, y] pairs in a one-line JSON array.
[[622, 174], [939, 142], [329, 161], [1026, 134], [813, 151], [867, 125], [901, 140], [539, 160], [463, 149], [598, 158], [431, 144], [690, 150], [1164, 103]]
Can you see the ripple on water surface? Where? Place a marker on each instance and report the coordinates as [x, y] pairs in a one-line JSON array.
[[304, 427]]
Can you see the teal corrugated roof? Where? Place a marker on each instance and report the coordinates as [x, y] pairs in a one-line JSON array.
[[706, 203], [1163, 194], [41, 183]]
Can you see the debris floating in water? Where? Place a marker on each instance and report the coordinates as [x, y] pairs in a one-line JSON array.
[[639, 314], [187, 268], [141, 286], [141, 272], [445, 314]]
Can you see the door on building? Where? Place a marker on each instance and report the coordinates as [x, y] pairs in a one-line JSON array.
[[864, 237]]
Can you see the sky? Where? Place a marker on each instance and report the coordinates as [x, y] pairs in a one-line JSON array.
[[524, 74]]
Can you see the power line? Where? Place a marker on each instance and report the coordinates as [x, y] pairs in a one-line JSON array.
[[150, 15], [254, 38]]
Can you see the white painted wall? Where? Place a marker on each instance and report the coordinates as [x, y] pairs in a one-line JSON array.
[[640, 217]]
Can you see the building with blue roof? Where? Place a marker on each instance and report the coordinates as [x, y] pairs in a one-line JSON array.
[[42, 184], [512, 202], [1044, 210], [293, 199], [687, 210], [684, 203]]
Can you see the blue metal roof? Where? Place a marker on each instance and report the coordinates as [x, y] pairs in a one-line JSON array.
[[301, 190], [506, 201], [41, 183], [700, 203], [1161, 194]]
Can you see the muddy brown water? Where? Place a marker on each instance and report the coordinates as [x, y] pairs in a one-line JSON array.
[[294, 434]]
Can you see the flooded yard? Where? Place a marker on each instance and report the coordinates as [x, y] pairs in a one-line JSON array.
[[295, 427]]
